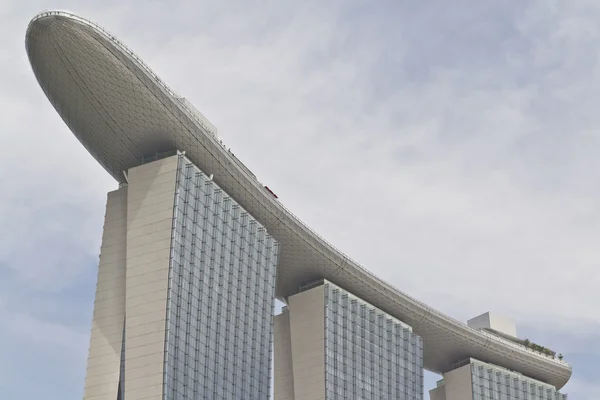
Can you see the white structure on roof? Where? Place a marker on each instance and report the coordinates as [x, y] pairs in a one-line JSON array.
[[494, 322], [473, 379], [121, 111]]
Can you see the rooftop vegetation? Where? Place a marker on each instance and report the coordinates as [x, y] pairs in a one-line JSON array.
[[539, 348]]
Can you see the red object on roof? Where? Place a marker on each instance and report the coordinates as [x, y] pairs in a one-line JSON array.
[[270, 191]]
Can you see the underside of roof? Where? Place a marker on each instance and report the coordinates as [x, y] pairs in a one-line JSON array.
[[122, 112]]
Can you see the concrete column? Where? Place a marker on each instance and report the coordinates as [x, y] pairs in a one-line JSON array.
[[307, 325], [104, 360], [459, 384], [439, 393], [283, 385], [150, 202]]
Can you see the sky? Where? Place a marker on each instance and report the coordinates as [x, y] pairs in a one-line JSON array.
[[449, 147]]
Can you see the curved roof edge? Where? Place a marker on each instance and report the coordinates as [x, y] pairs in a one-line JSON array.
[[171, 123]]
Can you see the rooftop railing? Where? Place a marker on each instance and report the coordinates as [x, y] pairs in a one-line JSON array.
[[131, 54], [522, 347], [381, 285]]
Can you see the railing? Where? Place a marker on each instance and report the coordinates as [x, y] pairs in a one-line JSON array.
[[131, 54], [381, 285], [418, 303], [521, 347]]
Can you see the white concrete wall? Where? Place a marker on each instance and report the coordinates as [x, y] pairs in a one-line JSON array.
[[283, 385], [307, 325], [494, 321], [150, 200], [503, 324], [480, 321], [458, 384], [104, 359], [439, 393]]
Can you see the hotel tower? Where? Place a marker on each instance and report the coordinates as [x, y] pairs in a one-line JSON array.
[[196, 250]]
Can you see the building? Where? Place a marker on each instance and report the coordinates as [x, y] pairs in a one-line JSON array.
[[475, 380], [125, 115], [330, 344], [185, 291]]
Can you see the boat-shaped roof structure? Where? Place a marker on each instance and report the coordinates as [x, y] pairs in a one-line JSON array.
[[122, 112]]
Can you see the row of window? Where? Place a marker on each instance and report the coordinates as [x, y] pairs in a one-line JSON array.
[[493, 383], [250, 255], [221, 297], [369, 355]]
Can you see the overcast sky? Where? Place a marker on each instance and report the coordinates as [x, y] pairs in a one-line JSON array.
[[451, 147]]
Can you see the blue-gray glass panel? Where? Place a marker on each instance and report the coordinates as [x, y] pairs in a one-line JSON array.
[[368, 355], [491, 382], [221, 296]]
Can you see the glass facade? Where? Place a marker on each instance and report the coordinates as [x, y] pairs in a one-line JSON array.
[[494, 383], [369, 354], [121, 387], [221, 296]]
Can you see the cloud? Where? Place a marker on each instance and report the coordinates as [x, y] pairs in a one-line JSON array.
[[50, 354], [41, 334], [450, 148], [467, 166], [584, 390]]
